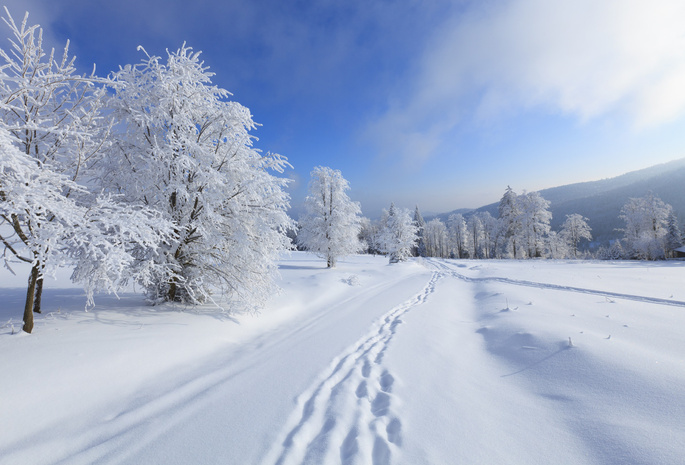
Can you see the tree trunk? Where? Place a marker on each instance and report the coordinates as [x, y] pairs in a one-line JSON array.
[[30, 294], [38, 295], [171, 295]]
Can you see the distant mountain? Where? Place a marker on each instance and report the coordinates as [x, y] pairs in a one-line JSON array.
[[443, 216], [601, 201]]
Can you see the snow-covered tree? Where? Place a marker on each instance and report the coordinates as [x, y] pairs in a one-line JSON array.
[[534, 219], [368, 236], [420, 223], [476, 233], [613, 252], [459, 235], [332, 221], [510, 218], [398, 234], [646, 228], [436, 239], [490, 231], [51, 135], [574, 229], [186, 151], [673, 236], [557, 245]]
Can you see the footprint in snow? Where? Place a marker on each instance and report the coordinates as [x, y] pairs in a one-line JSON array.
[[387, 381]]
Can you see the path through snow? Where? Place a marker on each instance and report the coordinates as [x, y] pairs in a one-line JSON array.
[[454, 362]]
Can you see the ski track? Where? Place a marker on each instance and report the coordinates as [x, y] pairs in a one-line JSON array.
[[348, 416], [556, 287]]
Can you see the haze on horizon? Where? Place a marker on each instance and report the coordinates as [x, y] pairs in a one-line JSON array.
[[441, 103]]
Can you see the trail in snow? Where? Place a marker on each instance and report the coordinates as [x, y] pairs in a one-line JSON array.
[[348, 416], [556, 287]]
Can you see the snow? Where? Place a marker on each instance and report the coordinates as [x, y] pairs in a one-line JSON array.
[[424, 362]]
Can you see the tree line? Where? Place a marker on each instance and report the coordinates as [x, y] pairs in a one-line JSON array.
[[521, 230]]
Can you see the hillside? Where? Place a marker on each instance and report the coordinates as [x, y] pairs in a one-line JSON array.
[[601, 201]]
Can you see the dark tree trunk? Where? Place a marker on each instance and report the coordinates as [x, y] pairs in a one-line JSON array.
[[38, 296], [171, 295], [30, 294]]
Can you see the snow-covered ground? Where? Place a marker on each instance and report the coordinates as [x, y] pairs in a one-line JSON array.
[[426, 362]]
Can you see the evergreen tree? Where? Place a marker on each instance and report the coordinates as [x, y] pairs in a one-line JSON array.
[[510, 217], [398, 234], [420, 249], [673, 236]]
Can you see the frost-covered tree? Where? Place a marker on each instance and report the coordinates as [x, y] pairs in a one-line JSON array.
[[52, 136], [459, 235], [613, 252], [673, 236], [420, 223], [398, 234], [332, 222], [557, 245], [490, 234], [574, 229], [436, 239], [646, 228], [534, 219], [368, 236], [186, 151], [476, 234], [510, 218]]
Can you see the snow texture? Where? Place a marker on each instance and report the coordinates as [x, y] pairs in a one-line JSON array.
[[429, 361]]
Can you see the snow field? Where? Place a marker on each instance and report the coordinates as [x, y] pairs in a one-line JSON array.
[[427, 362]]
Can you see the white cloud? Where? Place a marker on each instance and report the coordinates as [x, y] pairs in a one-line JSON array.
[[586, 58]]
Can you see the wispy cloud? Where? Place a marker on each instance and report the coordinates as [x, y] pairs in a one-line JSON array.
[[584, 58]]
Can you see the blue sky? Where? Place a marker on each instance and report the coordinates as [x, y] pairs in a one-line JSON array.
[[436, 103]]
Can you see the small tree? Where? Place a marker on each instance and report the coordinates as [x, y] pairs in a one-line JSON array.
[[420, 248], [574, 229], [332, 222], [398, 234]]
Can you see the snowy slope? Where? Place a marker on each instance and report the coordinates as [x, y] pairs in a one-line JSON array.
[[433, 361]]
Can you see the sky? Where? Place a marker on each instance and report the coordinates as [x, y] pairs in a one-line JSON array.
[[435, 103]]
